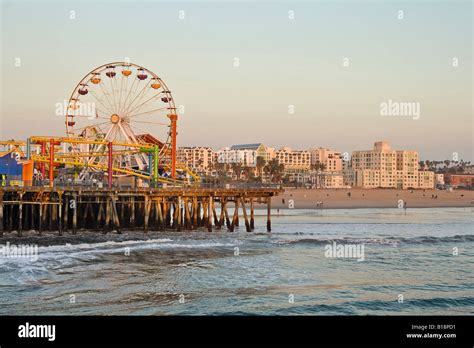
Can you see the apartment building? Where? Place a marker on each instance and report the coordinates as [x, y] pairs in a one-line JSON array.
[[199, 159], [245, 154], [387, 168], [293, 159], [332, 160]]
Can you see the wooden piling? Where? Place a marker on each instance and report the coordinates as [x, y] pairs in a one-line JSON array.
[[1, 214], [26, 219], [147, 214], [187, 216], [20, 215], [132, 213], [235, 218], [66, 214], [178, 214], [107, 216], [237, 210], [269, 214], [252, 223], [60, 213], [221, 215], [115, 216], [10, 218], [209, 212], [227, 219], [74, 214], [160, 215], [52, 214], [244, 210], [100, 215], [167, 205], [214, 213], [200, 217], [32, 216], [40, 218]]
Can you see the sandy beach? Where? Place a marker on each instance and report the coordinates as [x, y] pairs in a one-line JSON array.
[[375, 198]]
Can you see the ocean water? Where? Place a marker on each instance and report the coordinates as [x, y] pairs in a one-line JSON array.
[[410, 266]]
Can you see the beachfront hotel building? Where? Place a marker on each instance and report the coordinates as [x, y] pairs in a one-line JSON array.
[[244, 154], [387, 168], [199, 159], [330, 181], [293, 159], [331, 176], [332, 160], [297, 163]]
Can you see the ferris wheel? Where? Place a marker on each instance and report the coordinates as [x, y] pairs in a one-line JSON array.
[[123, 103]]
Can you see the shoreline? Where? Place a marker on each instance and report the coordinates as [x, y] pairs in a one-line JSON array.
[[373, 198]]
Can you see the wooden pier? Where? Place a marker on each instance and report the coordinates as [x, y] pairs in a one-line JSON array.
[[104, 210]]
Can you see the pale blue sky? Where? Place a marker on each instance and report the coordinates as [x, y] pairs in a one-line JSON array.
[[282, 62]]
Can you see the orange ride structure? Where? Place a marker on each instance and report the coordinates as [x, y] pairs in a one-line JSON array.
[[120, 121]]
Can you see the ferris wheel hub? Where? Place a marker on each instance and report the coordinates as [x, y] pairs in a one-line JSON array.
[[115, 118]]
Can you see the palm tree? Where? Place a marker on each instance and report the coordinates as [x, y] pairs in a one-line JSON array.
[[220, 169], [248, 172], [275, 170], [237, 169], [260, 164]]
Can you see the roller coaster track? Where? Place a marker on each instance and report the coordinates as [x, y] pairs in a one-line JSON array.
[[104, 168]]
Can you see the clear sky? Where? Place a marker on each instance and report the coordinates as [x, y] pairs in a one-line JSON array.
[[283, 62]]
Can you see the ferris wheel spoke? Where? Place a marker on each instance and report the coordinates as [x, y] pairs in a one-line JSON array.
[[151, 122], [101, 102], [129, 133], [91, 118], [138, 107], [135, 98], [113, 92], [135, 127], [140, 97], [128, 95], [120, 96], [135, 91], [106, 96], [102, 112], [147, 112]]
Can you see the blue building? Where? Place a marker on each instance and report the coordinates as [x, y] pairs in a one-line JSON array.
[[9, 166]]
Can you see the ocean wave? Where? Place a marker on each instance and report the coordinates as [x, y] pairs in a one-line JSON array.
[[437, 240], [107, 244], [392, 241], [323, 241], [379, 306], [84, 252]]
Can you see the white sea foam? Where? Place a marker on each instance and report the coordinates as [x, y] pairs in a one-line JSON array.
[[65, 254], [101, 245]]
